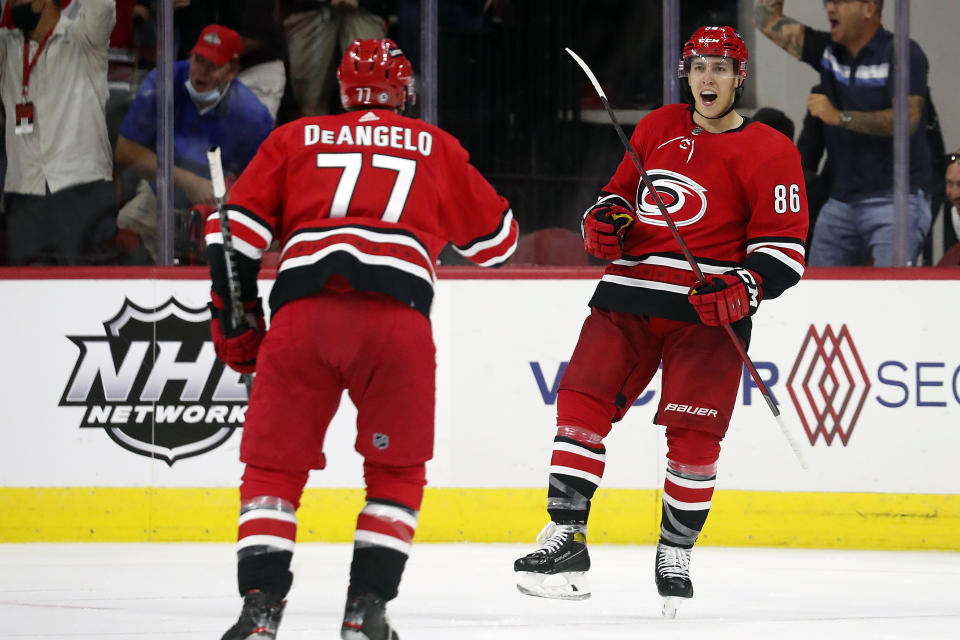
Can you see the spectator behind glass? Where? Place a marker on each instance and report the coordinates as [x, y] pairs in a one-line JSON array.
[[59, 199], [318, 33], [262, 62], [952, 207], [122, 77], [855, 61], [258, 23], [776, 119], [813, 149], [211, 108]]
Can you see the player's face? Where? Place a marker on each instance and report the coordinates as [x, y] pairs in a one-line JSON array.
[[713, 81], [953, 183]]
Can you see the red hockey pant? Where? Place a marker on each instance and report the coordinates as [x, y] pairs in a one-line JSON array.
[[618, 354], [371, 345]]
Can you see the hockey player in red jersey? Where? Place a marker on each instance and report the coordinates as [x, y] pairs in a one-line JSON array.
[[735, 191], [361, 204]]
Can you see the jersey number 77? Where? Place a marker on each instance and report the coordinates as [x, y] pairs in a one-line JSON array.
[[352, 164]]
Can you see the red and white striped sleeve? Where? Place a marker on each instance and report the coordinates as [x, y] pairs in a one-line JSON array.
[[778, 226], [253, 212], [479, 222]]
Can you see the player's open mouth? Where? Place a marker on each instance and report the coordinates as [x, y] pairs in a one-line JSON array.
[[708, 98]]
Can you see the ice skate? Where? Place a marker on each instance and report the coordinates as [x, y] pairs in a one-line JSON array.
[[672, 574], [365, 618], [558, 568], [259, 617]]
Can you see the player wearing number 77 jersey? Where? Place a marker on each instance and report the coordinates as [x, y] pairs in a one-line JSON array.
[[734, 189], [361, 205]]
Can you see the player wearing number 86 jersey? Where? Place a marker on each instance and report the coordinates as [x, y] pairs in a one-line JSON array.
[[737, 198], [734, 189], [361, 204]]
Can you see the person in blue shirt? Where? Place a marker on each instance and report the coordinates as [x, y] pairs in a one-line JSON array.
[[211, 108], [856, 66]]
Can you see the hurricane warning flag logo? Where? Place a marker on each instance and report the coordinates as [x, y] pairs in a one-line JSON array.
[[828, 384], [153, 383], [684, 199]]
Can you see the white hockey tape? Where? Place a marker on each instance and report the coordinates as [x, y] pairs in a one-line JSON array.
[[586, 70], [216, 172]]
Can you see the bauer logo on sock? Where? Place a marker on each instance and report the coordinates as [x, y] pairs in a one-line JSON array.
[[153, 383]]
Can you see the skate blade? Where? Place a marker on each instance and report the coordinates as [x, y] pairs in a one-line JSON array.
[[572, 585], [671, 605], [356, 634]]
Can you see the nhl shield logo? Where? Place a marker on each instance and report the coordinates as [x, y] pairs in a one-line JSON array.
[[153, 383]]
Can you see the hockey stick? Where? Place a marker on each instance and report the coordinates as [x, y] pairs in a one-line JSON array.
[[233, 283], [693, 263]]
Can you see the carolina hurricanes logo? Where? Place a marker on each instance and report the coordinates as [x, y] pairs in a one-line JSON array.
[[683, 198]]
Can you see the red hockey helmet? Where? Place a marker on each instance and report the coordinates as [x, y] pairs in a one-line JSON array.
[[375, 73], [724, 42]]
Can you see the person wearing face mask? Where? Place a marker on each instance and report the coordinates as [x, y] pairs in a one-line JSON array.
[[58, 190], [211, 108]]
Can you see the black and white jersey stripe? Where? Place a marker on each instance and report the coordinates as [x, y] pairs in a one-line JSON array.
[[250, 234], [493, 244], [780, 262], [379, 236], [653, 285], [389, 260]]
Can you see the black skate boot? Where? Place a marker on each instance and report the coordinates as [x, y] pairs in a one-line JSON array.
[[672, 574], [558, 568], [259, 617], [365, 618]]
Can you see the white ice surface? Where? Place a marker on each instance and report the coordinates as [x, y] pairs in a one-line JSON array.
[[466, 591]]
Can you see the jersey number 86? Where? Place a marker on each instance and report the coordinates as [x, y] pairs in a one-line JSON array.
[[781, 199]]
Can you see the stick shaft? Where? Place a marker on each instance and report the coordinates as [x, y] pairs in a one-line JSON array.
[[656, 196], [219, 190], [229, 254]]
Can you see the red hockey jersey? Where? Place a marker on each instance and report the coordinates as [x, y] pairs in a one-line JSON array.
[[737, 198], [372, 196]]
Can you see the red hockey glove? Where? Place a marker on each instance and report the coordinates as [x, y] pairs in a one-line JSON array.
[[237, 346], [604, 226], [726, 298]]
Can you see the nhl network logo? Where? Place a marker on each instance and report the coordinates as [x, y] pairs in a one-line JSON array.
[[154, 383], [828, 384]]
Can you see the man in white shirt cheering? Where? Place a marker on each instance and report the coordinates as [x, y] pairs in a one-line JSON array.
[[59, 198]]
